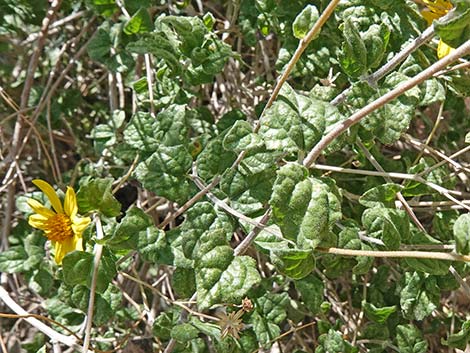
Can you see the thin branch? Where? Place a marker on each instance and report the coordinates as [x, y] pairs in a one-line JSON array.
[[342, 126], [69, 341], [98, 249], [397, 254], [400, 197], [303, 44]]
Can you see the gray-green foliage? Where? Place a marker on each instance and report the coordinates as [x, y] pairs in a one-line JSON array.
[[187, 83]]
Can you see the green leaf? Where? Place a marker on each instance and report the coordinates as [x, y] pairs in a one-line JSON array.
[[383, 196], [295, 121], [183, 282], [105, 8], [96, 195], [300, 207], [100, 45], [390, 225], [221, 277], [191, 30], [140, 22], [270, 311], [214, 159], [281, 129], [42, 282], [248, 192], [432, 91], [460, 339], [311, 290], [78, 269], [153, 246], [201, 218], [379, 315], [160, 45], [209, 20], [332, 342], [13, 259], [376, 40], [294, 263], [420, 295], [146, 133], [102, 311], [462, 234], [455, 30], [354, 52], [164, 172], [126, 234], [240, 137], [305, 21], [164, 323], [389, 122], [184, 332], [410, 339]]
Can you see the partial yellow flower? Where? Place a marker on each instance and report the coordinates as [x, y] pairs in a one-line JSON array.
[[434, 10], [62, 226]]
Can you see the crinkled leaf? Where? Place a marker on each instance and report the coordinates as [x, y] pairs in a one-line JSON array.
[[294, 263], [240, 137], [281, 128], [103, 7], [13, 259], [248, 192], [460, 339], [390, 225], [184, 332], [140, 22], [153, 246], [270, 311], [432, 91], [158, 44], [214, 159], [420, 295], [354, 52], [102, 311], [96, 195], [100, 45], [455, 30], [125, 235], [221, 277], [311, 290], [383, 196], [379, 315], [305, 21], [410, 339], [78, 269], [462, 234], [376, 41], [202, 217], [183, 282], [300, 206], [164, 172]]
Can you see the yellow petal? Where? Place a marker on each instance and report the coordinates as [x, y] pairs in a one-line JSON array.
[[39, 208], [79, 224], [47, 189], [443, 49], [38, 221], [429, 16], [64, 247], [70, 203]]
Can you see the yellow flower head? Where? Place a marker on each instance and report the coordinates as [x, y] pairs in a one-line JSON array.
[[434, 10], [62, 226]]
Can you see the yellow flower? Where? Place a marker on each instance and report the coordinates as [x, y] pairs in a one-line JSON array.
[[434, 10], [62, 226]]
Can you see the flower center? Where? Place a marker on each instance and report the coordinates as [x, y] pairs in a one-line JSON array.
[[59, 228]]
